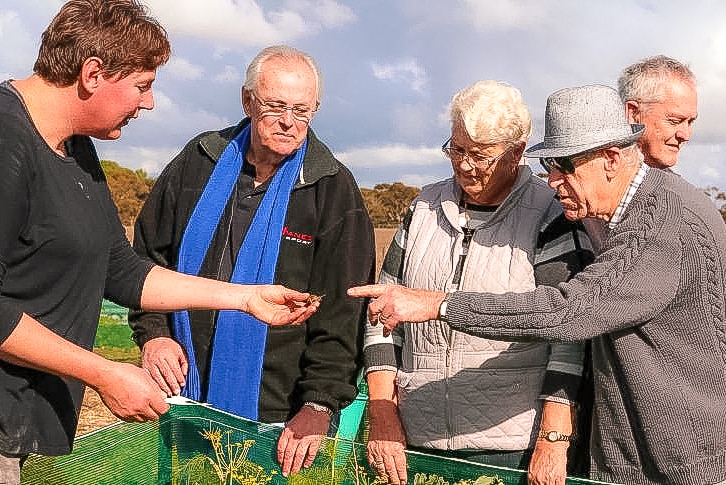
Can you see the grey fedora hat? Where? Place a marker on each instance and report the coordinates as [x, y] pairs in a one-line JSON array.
[[584, 118]]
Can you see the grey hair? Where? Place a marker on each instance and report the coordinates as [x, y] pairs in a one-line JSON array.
[[492, 112], [283, 52], [641, 81]]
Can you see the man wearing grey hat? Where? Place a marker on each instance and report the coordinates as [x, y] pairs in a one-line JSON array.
[[653, 302]]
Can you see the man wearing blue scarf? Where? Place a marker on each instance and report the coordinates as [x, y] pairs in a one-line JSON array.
[[261, 202]]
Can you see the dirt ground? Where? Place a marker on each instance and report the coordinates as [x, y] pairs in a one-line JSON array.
[[94, 413]]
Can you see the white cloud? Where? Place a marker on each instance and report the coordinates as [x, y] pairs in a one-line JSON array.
[[183, 70], [329, 13], [390, 156], [407, 72], [240, 23], [503, 14], [415, 166]]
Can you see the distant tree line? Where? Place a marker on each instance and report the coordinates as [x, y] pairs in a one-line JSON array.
[[386, 203]]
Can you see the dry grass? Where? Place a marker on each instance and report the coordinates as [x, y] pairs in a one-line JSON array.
[[94, 413]]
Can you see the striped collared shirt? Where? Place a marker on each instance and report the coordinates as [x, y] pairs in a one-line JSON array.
[[634, 184]]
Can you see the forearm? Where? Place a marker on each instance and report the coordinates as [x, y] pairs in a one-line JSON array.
[[33, 345], [557, 416], [167, 290], [381, 385]]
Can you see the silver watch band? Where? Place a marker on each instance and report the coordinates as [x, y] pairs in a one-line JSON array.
[[321, 408]]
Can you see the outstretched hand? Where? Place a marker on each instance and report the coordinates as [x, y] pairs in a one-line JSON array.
[[394, 304], [278, 305]]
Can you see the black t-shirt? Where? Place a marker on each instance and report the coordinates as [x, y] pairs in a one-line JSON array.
[[62, 248]]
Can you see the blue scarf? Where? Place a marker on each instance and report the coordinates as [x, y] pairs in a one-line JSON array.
[[239, 340]]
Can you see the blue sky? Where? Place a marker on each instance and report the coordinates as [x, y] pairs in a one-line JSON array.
[[391, 67]]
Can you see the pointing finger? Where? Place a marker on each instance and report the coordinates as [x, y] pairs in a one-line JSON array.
[[367, 291]]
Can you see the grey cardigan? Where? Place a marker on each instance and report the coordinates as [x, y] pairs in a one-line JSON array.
[[653, 302]]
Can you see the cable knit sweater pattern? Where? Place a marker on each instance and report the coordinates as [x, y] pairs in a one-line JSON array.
[[654, 304]]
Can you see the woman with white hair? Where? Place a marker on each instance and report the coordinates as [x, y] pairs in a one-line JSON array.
[[493, 226]]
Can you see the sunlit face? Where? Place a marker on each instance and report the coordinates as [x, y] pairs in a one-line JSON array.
[[668, 123], [485, 173], [579, 192], [118, 100], [289, 82]]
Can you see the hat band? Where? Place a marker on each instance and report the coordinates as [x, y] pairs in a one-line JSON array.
[[586, 139]]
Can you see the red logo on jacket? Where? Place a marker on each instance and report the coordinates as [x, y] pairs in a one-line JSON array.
[[297, 237]]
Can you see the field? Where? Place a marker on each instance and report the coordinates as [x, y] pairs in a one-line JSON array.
[[114, 342]]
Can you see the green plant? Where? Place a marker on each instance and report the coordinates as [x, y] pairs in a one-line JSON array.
[[229, 466], [433, 479]]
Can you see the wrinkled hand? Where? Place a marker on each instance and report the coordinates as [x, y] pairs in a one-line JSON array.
[[394, 304], [548, 465], [130, 393], [278, 305], [300, 440], [386, 442], [166, 362]]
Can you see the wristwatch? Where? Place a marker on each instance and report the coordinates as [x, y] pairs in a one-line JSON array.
[[321, 408], [554, 436], [442, 308]]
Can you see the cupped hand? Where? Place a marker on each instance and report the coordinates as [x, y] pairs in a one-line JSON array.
[[278, 305]]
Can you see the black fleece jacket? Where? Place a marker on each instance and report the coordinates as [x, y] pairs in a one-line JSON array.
[[327, 245]]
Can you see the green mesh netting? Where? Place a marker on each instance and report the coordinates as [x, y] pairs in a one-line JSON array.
[[196, 444], [123, 453]]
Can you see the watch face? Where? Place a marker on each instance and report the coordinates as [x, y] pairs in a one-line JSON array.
[[552, 436]]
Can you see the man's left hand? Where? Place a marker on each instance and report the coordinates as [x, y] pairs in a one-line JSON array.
[[301, 438], [394, 304]]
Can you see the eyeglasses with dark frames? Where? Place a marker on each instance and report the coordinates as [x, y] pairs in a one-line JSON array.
[[275, 108], [475, 161]]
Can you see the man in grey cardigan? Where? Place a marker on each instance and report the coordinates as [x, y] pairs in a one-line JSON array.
[[653, 302]]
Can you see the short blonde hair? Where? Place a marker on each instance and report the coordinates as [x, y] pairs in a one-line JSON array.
[[492, 112]]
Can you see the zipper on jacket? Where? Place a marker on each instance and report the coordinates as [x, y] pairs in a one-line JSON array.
[[455, 284]]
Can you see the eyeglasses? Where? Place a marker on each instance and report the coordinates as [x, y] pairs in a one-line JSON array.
[[475, 161], [565, 165], [274, 108]]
